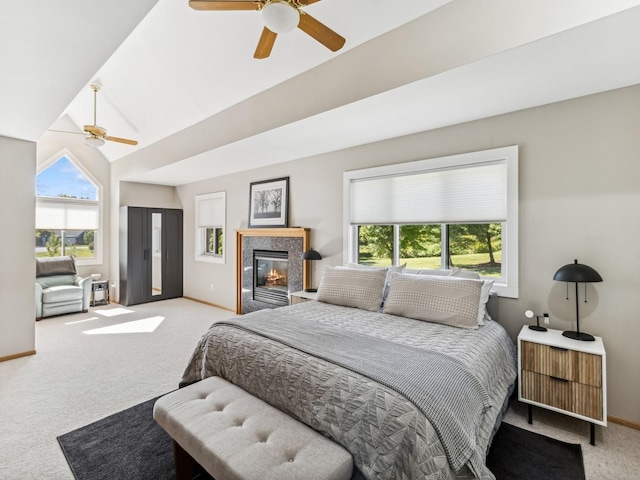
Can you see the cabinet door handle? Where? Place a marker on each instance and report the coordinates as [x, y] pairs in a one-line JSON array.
[[559, 379], [559, 348]]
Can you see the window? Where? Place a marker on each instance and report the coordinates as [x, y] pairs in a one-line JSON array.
[[210, 221], [459, 211], [68, 211], [473, 246]]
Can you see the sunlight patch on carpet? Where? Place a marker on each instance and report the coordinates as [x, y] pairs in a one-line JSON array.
[[82, 321], [113, 312], [146, 325]]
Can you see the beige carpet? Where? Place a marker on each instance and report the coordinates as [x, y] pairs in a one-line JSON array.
[[92, 365], [81, 374]]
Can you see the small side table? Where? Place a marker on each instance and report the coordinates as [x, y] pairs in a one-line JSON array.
[[99, 293], [301, 297], [563, 375]]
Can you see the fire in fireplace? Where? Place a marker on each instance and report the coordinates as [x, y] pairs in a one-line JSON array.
[[270, 284]]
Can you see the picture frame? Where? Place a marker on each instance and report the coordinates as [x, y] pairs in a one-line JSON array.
[[269, 203]]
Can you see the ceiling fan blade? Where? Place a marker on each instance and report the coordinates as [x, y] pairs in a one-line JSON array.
[[225, 5], [65, 131], [320, 32], [121, 140], [265, 44], [308, 2]]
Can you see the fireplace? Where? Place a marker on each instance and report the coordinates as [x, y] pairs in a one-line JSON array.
[[294, 241], [270, 277]]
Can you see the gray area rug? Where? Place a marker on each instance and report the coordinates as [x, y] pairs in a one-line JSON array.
[[130, 445]]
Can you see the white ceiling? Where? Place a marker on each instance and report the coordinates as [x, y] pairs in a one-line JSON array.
[[185, 84], [50, 50]]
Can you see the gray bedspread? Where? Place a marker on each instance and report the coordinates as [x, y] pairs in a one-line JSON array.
[[343, 391]]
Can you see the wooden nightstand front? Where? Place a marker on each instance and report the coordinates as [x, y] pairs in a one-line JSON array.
[[564, 375], [301, 297]]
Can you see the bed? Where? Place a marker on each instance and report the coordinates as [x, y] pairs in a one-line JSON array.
[[409, 398]]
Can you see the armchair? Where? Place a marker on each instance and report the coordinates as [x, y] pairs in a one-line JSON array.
[[59, 289]]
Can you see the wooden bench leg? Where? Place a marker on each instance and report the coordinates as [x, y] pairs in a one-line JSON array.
[[183, 463]]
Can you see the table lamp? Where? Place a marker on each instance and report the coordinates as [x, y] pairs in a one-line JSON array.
[[311, 254], [577, 273]]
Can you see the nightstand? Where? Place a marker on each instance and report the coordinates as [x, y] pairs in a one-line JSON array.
[[301, 297], [99, 292], [563, 375]]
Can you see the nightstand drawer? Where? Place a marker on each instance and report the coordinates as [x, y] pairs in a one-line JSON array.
[[302, 296], [296, 299], [552, 391], [562, 363], [548, 360], [590, 369], [587, 401]]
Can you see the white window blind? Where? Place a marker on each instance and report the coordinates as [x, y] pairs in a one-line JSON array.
[[468, 193], [66, 214], [211, 210]]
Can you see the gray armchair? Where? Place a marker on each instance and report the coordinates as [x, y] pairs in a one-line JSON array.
[[59, 289]]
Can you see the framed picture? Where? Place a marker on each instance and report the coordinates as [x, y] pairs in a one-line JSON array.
[[269, 203]]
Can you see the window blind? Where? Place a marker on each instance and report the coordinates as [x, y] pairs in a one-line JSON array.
[[211, 211], [469, 193], [66, 214]]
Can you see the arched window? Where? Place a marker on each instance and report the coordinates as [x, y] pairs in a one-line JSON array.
[[68, 207]]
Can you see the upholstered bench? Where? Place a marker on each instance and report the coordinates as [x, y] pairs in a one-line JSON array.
[[236, 436]]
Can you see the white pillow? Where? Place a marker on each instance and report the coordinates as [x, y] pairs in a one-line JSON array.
[[351, 287], [428, 271], [487, 285], [486, 291], [461, 273], [448, 300]]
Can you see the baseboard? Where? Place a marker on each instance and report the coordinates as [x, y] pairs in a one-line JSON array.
[[17, 355], [210, 304], [622, 421]]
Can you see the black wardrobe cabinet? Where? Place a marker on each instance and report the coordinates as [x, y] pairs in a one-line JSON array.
[[150, 254]]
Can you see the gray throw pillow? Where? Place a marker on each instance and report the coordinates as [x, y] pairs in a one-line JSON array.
[[448, 300], [352, 288], [390, 271]]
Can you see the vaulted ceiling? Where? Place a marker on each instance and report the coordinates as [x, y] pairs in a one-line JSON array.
[[185, 83]]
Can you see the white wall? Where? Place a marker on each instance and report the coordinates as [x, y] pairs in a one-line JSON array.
[[144, 195], [579, 198], [17, 271]]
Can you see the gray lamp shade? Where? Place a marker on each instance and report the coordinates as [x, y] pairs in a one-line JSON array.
[[311, 255], [577, 272]]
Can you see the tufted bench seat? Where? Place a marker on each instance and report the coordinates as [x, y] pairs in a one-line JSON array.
[[236, 436]]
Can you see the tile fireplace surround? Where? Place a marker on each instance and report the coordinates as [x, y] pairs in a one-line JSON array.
[[292, 240]]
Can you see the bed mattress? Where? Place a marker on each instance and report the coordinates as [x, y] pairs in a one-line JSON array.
[[387, 434]]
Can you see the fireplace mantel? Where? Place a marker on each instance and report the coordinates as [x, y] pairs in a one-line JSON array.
[[294, 232]]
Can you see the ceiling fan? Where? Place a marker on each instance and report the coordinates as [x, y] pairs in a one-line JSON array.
[[95, 136], [279, 16]]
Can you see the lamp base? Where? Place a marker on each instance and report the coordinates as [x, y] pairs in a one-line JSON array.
[[311, 290], [537, 328], [585, 337]]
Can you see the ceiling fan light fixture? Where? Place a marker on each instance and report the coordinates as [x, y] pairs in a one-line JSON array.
[[280, 16], [94, 141]]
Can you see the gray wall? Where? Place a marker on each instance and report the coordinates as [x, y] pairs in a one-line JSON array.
[[17, 271], [579, 198]]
